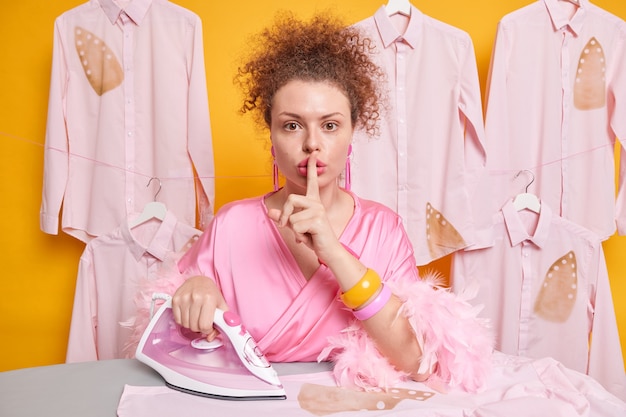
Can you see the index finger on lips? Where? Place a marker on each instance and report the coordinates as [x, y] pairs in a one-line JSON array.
[[312, 187]]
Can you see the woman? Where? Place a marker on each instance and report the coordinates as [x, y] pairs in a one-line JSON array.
[[303, 263]]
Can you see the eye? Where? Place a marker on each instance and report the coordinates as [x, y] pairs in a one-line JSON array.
[[291, 126], [331, 126]]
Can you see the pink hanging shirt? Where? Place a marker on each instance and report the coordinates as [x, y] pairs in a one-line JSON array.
[[545, 288], [128, 102], [556, 103], [430, 152]]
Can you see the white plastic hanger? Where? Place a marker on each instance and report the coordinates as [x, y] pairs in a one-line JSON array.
[[398, 6], [526, 200], [152, 210]]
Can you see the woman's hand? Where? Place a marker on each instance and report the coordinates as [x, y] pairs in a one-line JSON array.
[[306, 216], [194, 304]]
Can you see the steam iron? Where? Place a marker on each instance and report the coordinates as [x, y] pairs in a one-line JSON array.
[[231, 367]]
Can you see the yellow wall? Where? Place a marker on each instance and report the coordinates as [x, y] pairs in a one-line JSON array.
[[38, 271]]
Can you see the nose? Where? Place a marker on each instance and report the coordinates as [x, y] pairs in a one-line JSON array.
[[311, 141]]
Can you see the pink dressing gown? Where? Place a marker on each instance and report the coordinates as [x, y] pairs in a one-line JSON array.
[[293, 319], [289, 316]]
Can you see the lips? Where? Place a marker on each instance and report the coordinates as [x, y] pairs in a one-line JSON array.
[[302, 167]]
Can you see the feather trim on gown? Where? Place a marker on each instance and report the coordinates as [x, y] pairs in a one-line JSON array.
[[456, 345]]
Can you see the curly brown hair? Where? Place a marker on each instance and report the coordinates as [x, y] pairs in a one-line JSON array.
[[323, 49]]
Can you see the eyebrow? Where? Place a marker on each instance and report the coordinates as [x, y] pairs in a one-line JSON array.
[[325, 116]]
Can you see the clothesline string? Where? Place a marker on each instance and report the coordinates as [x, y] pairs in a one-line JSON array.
[[538, 167], [102, 163], [112, 166]]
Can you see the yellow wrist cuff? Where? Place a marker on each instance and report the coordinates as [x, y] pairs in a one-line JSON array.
[[362, 291]]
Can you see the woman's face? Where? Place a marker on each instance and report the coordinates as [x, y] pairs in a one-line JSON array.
[[310, 116]]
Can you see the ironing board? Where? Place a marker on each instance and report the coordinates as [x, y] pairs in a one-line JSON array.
[[71, 390], [87, 388], [106, 388]]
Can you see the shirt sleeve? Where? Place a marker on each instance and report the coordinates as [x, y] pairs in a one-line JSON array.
[[200, 142], [82, 341], [621, 193], [56, 151], [617, 110], [496, 118], [471, 113], [470, 106], [605, 354]]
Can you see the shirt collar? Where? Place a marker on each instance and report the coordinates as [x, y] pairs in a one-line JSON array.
[[388, 32], [561, 20], [517, 230], [136, 10], [159, 244]]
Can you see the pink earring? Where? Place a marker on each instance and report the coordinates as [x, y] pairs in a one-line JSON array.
[[347, 179], [275, 169]]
